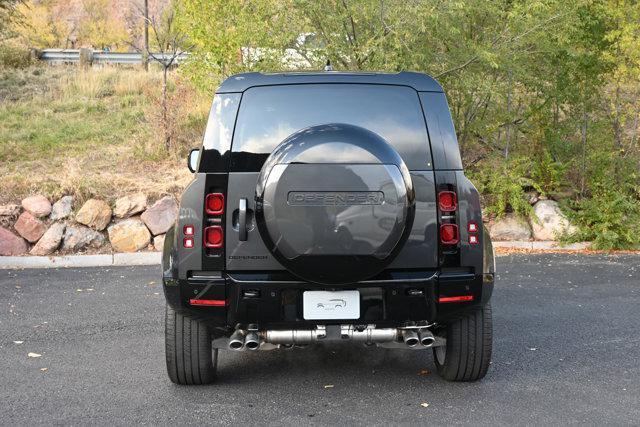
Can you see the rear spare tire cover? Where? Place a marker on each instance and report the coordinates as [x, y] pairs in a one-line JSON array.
[[334, 203]]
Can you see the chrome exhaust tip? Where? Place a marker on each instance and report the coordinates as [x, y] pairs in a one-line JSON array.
[[252, 341], [426, 337], [410, 337], [236, 341]]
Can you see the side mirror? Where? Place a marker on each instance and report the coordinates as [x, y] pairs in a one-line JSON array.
[[193, 159]]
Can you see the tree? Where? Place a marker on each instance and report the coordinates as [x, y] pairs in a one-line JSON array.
[[42, 25], [167, 44], [99, 27], [9, 15]]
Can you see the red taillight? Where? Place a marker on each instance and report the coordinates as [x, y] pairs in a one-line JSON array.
[[473, 239], [449, 234], [189, 230], [209, 302], [214, 204], [460, 298], [188, 242], [448, 201], [472, 227], [213, 236]]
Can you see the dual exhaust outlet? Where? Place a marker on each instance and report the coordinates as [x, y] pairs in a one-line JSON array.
[[252, 339]]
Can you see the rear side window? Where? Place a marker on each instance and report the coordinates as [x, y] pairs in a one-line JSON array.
[[269, 114]]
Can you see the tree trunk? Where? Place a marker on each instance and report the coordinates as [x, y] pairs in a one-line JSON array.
[[584, 150], [165, 125]]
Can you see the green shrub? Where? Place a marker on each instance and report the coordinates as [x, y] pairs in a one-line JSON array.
[[503, 186], [548, 174], [12, 56], [610, 218]]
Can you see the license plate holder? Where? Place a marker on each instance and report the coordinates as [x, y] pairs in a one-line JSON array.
[[330, 305]]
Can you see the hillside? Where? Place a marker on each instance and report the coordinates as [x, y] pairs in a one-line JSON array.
[[93, 133]]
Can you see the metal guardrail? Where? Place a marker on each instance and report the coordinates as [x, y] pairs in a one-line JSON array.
[[63, 56]]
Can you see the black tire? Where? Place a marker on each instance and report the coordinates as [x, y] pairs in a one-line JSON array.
[[467, 355], [190, 357]]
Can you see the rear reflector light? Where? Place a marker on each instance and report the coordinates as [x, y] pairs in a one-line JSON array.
[[473, 239], [214, 204], [472, 227], [209, 302], [188, 242], [448, 201], [460, 298], [213, 236], [189, 230], [449, 234]]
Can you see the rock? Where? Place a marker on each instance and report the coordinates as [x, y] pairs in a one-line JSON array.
[[548, 221], [130, 205], [129, 235], [510, 227], [30, 227], [39, 206], [158, 242], [10, 244], [9, 210], [50, 240], [95, 214], [160, 217], [78, 237], [532, 197], [62, 208], [8, 215]]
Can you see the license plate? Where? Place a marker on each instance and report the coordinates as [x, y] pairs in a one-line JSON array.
[[326, 305]]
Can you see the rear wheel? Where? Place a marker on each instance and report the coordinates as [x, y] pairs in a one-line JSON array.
[[467, 355], [190, 357]]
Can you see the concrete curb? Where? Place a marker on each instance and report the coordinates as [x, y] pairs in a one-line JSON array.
[[542, 245], [100, 260]]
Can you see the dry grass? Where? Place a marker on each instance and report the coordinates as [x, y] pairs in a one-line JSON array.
[[92, 133]]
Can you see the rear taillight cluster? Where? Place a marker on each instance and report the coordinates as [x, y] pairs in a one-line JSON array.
[[449, 233], [448, 204], [213, 236]]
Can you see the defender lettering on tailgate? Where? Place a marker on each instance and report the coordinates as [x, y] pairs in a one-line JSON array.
[[334, 198]]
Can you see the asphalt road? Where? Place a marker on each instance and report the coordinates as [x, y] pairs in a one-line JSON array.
[[566, 350]]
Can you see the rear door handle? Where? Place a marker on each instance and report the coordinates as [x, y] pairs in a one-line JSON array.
[[242, 220]]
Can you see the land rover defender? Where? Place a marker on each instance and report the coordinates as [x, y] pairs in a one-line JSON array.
[[328, 207]]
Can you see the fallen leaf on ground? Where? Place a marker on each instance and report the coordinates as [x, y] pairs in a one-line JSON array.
[[34, 355], [18, 342], [78, 290], [44, 369], [424, 372], [328, 386], [152, 282], [424, 404]]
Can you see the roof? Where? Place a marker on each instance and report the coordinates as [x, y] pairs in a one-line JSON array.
[[241, 82]]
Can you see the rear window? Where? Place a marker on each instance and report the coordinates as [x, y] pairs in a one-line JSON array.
[[269, 114]]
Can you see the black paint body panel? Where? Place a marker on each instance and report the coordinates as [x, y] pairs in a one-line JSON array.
[[422, 264]]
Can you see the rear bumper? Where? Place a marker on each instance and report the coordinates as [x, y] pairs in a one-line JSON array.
[[274, 300]]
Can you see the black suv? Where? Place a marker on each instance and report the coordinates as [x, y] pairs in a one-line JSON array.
[[328, 207]]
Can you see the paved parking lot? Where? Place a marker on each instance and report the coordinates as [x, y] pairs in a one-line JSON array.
[[566, 350]]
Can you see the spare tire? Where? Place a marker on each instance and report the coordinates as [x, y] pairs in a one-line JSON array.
[[334, 203]]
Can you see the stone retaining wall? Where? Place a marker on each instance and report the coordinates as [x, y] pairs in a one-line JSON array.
[[37, 227], [547, 222]]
